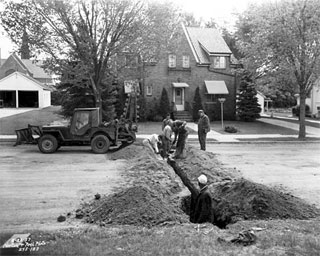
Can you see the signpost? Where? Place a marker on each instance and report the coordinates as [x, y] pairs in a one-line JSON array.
[[222, 100]]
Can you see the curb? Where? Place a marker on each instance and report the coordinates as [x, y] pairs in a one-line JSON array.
[[213, 141]]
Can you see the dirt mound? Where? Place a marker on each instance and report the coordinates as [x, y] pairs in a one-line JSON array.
[[243, 199], [200, 162], [130, 152], [148, 196], [134, 206], [237, 198]]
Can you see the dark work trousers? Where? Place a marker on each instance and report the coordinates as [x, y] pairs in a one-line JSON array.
[[166, 146], [202, 139]]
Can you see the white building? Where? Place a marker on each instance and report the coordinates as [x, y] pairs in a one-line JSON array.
[[18, 90]]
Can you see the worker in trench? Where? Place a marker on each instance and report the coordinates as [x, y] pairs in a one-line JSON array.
[[201, 207]]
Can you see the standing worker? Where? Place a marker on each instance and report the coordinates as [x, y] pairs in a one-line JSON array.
[[201, 210], [203, 129], [166, 139], [180, 131], [165, 121]]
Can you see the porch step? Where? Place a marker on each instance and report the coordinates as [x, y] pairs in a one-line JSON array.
[[183, 116]]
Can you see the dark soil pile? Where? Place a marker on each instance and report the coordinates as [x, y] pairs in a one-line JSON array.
[[243, 199], [149, 196], [236, 198], [131, 152], [134, 206], [200, 162]]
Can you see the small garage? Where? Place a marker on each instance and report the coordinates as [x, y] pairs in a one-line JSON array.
[[18, 90], [8, 99], [28, 99]]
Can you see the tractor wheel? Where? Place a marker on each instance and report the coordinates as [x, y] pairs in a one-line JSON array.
[[48, 143], [100, 144]]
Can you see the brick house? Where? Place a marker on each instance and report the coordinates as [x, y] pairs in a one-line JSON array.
[[23, 83], [200, 59]]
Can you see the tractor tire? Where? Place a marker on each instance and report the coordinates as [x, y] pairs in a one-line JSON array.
[[48, 144], [100, 144]]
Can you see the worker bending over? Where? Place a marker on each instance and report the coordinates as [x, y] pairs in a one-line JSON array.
[[153, 142]]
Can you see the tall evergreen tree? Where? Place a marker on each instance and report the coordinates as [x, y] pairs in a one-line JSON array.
[[197, 104], [164, 106], [248, 108]]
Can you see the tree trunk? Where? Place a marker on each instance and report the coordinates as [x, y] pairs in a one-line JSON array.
[[302, 117], [99, 105], [97, 97]]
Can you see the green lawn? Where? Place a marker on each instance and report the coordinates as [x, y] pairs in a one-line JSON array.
[[44, 116], [256, 127]]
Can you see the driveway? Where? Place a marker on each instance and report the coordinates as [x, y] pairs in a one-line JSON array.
[[36, 188], [292, 167]]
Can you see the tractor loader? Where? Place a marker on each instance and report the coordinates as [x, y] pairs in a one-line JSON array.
[[85, 128]]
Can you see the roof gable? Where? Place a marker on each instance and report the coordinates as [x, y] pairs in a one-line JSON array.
[[30, 67], [13, 59], [205, 42], [42, 86], [35, 69]]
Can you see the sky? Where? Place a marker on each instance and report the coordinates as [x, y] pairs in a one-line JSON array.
[[220, 10]]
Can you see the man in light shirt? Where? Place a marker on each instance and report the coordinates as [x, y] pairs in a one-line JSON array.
[[166, 139], [152, 143]]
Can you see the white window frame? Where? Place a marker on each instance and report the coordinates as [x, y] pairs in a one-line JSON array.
[[186, 61], [172, 61], [219, 62], [149, 90]]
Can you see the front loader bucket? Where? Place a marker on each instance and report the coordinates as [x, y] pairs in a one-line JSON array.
[[28, 135]]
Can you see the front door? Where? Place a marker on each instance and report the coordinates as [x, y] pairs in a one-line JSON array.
[[178, 98]]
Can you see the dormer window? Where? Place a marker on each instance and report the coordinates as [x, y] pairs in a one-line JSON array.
[[172, 61], [219, 62], [185, 61]]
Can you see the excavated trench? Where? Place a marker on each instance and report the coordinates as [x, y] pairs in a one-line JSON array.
[[152, 193], [235, 198]]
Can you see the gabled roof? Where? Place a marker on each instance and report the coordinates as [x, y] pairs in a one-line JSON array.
[[41, 85], [35, 68], [205, 42]]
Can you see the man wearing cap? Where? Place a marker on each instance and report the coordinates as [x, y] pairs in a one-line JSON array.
[[203, 129], [201, 204]]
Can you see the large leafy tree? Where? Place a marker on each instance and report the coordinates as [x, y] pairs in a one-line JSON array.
[[283, 37], [82, 38]]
